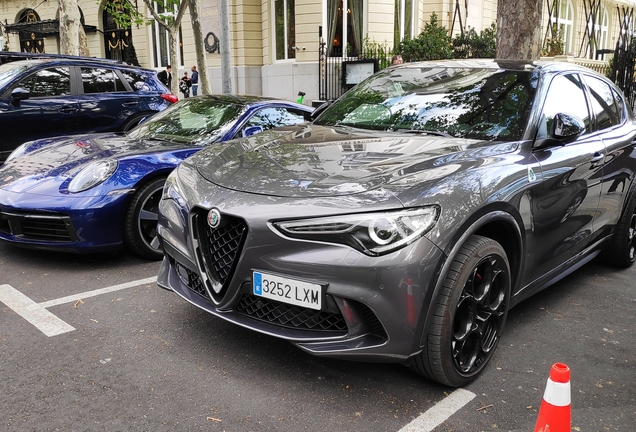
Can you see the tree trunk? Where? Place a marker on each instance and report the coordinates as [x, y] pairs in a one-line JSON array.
[[202, 64], [226, 48], [173, 46], [83, 43], [519, 29], [69, 27]]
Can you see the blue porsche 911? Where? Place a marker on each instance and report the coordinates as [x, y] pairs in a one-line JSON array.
[[100, 192]]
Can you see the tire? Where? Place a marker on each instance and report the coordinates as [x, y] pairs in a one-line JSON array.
[[468, 316], [140, 227], [621, 252]]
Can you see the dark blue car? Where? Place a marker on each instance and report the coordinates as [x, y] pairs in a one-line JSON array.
[[61, 96], [101, 192]]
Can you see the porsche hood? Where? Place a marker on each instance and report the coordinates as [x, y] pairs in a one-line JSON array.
[[63, 157]]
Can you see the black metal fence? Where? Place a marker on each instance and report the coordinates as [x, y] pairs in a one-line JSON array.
[[331, 82]]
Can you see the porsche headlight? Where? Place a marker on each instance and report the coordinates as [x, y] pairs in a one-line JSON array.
[[370, 233], [92, 175]]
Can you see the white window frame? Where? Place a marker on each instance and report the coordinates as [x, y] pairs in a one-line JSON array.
[[285, 33], [154, 33], [402, 18], [566, 19], [601, 29], [345, 22]]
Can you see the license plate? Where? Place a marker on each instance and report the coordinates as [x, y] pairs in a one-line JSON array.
[[285, 290]]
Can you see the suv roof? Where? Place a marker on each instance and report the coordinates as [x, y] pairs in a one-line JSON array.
[[10, 56]]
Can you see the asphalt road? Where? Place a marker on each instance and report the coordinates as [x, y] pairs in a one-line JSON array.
[[141, 358]]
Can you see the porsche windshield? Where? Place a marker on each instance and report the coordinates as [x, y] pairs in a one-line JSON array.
[[199, 121], [484, 103]]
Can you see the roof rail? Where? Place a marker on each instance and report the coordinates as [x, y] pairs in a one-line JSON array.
[[9, 56]]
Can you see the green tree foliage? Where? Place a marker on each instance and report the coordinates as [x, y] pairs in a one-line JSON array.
[[554, 45], [433, 43], [473, 45], [124, 13]]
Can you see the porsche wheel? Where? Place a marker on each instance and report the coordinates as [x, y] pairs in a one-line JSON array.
[[621, 251], [469, 314], [141, 220]]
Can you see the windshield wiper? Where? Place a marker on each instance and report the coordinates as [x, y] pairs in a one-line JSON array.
[[425, 132]]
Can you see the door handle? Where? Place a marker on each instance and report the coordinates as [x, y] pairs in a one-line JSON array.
[[67, 110], [130, 103], [597, 157]]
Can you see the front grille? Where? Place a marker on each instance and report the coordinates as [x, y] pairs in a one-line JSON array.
[[50, 228], [373, 323], [194, 282], [289, 316], [4, 226], [220, 248]]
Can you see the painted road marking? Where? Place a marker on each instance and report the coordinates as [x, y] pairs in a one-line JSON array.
[[45, 321], [442, 410]]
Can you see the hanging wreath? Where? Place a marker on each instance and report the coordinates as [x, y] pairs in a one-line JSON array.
[[212, 43]]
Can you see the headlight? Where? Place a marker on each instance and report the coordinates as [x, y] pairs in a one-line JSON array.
[[171, 189], [19, 151], [92, 175], [370, 233]]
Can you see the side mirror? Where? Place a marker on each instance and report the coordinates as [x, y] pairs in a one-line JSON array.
[[18, 94], [252, 130], [564, 129], [320, 109]]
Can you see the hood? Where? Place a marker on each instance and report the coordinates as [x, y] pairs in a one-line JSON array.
[[62, 158], [315, 161]]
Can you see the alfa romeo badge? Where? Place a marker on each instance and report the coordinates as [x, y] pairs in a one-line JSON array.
[[214, 218]]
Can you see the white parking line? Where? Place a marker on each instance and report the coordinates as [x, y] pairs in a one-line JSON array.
[[45, 321], [437, 414]]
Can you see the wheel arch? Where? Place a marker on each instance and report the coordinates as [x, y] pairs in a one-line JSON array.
[[147, 178], [134, 119], [500, 223]]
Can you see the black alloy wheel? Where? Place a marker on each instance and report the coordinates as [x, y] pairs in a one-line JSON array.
[[621, 251], [141, 220], [469, 316]]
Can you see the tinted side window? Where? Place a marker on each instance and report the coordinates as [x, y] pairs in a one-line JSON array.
[[604, 106], [269, 118], [565, 96], [100, 80], [620, 104], [48, 82], [136, 81]]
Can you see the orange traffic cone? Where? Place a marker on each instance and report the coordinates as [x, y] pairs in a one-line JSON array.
[[554, 414]]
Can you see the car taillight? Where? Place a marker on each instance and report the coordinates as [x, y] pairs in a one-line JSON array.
[[170, 97]]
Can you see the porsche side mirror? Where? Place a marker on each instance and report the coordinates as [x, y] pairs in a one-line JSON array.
[[319, 110], [18, 94], [252, 130]]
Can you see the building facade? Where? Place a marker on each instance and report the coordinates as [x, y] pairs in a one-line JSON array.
[[276, 44]]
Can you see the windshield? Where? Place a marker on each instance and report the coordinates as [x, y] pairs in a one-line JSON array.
[[198, 121], [9, 70], [484, 103]]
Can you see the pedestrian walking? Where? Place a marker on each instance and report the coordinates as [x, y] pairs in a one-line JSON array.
[[194, 80]]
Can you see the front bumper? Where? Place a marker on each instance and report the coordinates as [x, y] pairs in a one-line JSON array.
[[374, 307], [73, 224]]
